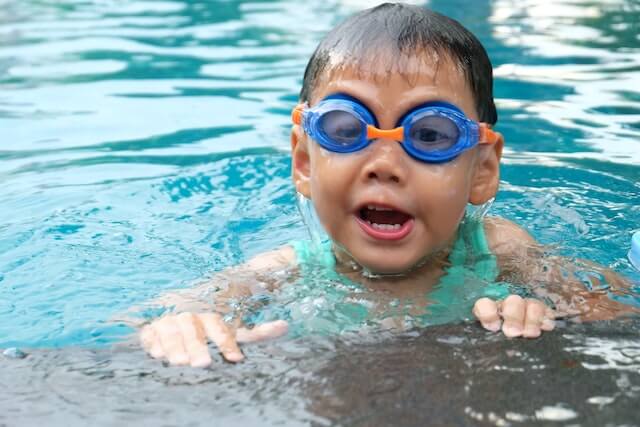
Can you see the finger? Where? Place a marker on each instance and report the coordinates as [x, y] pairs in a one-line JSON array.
[[194, 340], [151, 342], [513, 313], [534, 316], [549, 323], [486, 311], [222, 336], [170, 335], [261, 332]]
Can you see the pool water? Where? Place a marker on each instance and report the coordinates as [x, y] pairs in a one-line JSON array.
[[144, 146]]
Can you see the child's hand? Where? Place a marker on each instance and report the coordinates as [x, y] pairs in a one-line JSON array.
[[517, 316], [182, 338]]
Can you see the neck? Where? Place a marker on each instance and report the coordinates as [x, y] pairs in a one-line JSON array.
[[420, 278]]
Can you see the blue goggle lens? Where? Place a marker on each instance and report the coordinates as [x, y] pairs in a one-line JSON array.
[[433, 133], [343, 128]]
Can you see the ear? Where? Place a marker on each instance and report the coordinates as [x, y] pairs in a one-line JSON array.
[[484, 184], [300, 162]]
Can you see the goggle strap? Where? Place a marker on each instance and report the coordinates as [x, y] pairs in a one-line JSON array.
[[396, 134], [487, 135], [296, 114]]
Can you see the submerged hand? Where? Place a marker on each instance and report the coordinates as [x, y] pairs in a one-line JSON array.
[[182, 338], [515, 315]]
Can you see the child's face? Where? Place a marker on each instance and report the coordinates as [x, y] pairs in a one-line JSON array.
[[434, 196]]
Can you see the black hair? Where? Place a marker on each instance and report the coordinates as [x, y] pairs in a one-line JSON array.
[[404, 30]]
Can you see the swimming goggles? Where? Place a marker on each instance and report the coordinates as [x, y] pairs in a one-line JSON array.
[[434, 132]]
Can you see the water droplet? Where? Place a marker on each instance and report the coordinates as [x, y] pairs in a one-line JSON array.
[[601, 400], [555, 413], [14, 353]]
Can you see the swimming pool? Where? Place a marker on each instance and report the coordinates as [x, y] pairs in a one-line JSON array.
[[144, 145]]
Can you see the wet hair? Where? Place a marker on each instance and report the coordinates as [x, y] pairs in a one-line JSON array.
[[381, 37]]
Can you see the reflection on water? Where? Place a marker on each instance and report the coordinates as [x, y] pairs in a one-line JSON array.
[[445, 375], [143, 146], [591, 52]]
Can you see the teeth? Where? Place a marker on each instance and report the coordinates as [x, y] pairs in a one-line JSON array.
[[384, 227], [378, 208]]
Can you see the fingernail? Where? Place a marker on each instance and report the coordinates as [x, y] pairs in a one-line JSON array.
[[531, 332], [493, 326], [234, 357], [179, 359], [201, 362], [156, 352], [512, 331], [283, 326], [548, 324]]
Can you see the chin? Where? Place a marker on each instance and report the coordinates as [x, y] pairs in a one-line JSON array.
[[380, 260]]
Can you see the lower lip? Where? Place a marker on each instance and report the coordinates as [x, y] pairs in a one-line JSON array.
[[398, 234]]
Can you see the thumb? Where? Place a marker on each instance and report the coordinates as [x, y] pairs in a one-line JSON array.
[[264, 331]]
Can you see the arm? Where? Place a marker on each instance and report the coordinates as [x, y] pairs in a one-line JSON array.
[[182, 338], [552, 278], [242, 281], [557, 279]]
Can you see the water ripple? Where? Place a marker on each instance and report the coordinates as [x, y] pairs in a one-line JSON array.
[[143, 144]]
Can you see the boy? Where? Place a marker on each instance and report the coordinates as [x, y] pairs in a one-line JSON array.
[[392, 139]]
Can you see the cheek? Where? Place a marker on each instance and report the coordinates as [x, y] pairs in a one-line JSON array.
[[326, 204], [331, 171], [328, 173], [447, 195]]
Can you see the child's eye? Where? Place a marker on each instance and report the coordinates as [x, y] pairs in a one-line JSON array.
[[428, 135], [342, 127], [434, 133]]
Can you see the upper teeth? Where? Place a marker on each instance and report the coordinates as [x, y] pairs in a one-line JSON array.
[[387, 227], [378, 208]]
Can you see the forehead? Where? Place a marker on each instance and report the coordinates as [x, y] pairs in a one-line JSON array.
[[394, 84]]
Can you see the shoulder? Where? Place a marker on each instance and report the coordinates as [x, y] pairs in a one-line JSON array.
[[507, 238], [253, 276], [278, 258]]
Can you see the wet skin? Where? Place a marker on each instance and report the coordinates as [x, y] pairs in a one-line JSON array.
[[381, 175], [384, 175]]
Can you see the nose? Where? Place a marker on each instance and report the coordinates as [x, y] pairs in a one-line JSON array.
[[386, 162]]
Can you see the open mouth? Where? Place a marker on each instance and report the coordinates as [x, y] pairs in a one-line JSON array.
[[385, 223]]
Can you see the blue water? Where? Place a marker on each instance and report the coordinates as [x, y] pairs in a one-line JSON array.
[[144, 145]]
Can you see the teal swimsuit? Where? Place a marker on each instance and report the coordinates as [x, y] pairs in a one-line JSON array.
[[471, 275]]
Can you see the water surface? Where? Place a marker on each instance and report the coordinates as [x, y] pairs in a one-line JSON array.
[[144, 146]]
